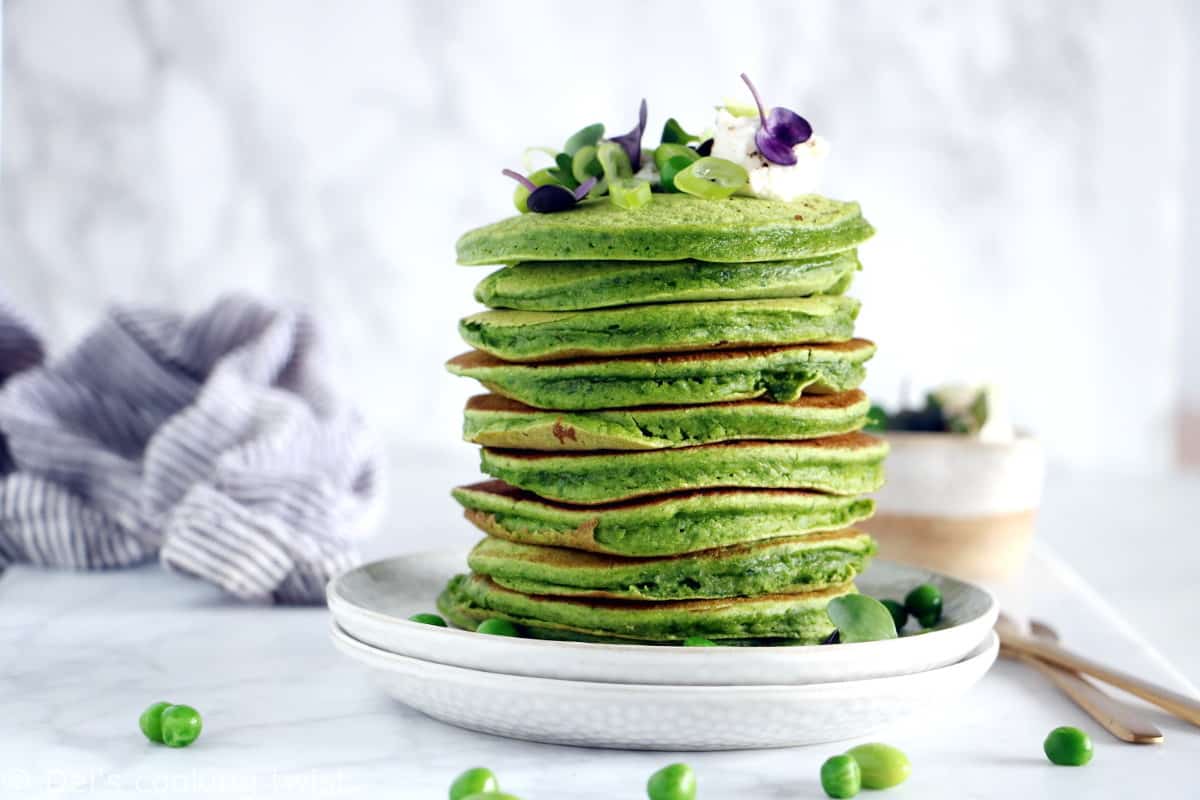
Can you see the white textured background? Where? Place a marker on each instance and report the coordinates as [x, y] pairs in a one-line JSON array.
[[1029, 165]]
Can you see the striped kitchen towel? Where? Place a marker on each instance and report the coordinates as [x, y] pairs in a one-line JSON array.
[[215, 443]]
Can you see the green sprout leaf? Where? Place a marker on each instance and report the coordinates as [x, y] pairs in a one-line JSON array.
[[673, 133], [583, 138], [861, 619]]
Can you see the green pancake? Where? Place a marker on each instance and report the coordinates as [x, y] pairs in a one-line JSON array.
[[673, 227], [778, 566], [848, 464], [777, 373], [800, 618], [658, 526], [496, 421], [660, 328], [579, 285]]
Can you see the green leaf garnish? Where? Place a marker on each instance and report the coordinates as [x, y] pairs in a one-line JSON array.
[[614, 160], [861, 619], [673, 133], [563, 174], [584, 137], [670, 160], [585, 165]]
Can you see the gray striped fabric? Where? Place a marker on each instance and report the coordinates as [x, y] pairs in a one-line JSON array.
[[213, 443]]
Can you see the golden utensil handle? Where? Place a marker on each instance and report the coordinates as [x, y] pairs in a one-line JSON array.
[[1116, 718], [1182, 706]]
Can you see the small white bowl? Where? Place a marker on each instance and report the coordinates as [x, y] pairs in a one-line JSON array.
[[372, 603], [656, 717], [959, 505]]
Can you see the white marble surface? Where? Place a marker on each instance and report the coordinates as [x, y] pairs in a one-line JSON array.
[[81, 655], [1027, 166]]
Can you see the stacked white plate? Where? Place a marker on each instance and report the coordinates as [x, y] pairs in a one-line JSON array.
[[656, 698]]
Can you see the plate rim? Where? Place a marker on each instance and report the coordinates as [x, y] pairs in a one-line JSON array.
[[337, 603], [987, 650]]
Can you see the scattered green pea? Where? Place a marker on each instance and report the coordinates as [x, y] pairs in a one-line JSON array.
[[429, 619], [673, 782], [151, 722], [180, 725], [698, 641], [882, 766], [861, 619], [474, 782], [1068, 747], [841, 776], [925, 604], [497, 627], [898, 611]]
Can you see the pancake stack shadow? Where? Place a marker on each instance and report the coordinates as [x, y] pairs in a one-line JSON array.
[[674, 445]]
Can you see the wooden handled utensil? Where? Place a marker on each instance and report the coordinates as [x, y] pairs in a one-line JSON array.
[[1182, 706], [1116, 717]]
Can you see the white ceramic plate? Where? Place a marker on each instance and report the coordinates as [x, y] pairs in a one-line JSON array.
[[656, 717], [372, 604]]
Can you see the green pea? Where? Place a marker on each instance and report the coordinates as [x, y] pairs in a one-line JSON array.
[[698, 641], [151, 722], [674, 782], [861, 619], [882, 765], [898, 611], [497, 627], [841, 777], [180, 725], [473, 782], [429, 619], [925, 604], [1068, 747]]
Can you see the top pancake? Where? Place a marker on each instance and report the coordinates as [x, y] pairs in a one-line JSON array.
[[673, 226]]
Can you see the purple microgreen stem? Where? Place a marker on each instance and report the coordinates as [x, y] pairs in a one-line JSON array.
[[585, 187], [519, 178]]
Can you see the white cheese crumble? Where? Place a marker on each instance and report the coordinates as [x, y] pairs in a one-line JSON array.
[[733, 140]]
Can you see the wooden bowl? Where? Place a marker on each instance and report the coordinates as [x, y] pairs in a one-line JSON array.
[[959, 505]]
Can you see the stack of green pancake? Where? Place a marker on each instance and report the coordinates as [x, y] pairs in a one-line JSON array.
[[673, 428]]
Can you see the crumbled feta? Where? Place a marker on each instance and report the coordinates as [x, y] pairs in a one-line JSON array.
[[733, 140]]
